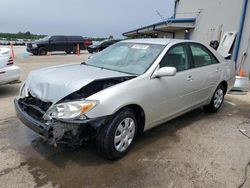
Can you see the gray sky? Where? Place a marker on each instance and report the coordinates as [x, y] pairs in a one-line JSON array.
[[93, 18]]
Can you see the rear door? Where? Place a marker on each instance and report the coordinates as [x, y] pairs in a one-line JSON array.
[[73, 41], [172, 95], [58, 43], [206, 72]]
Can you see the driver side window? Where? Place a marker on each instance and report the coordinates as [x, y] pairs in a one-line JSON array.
[[176, 57]]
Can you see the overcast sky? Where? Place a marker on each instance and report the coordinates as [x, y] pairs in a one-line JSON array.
[[93, 18]]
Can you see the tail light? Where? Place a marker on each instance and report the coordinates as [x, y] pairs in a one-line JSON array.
[[10, 61]]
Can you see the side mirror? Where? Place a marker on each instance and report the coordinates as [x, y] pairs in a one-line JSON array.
[[164, 72]]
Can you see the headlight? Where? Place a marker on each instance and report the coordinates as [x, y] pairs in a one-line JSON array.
[[34, 45], [70, 110]]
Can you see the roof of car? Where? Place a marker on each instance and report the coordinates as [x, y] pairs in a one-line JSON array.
[[162, 41]]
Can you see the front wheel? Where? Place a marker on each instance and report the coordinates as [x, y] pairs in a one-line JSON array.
[[115, 139], [217, 100], [42, 51]]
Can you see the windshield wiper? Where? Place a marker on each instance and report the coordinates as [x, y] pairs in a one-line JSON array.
[[84, 63]]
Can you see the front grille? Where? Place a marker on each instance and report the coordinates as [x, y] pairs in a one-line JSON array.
[[37, 102], [36, 108]]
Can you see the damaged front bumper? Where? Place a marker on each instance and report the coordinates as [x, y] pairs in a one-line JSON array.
[[57, 131]]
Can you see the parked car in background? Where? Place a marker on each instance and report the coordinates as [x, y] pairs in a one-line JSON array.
[[101, 46], [67, 44], [128, 88], [9, 73]]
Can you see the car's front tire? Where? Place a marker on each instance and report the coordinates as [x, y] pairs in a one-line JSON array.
[[217, 100], [42, 51], [115, 139]]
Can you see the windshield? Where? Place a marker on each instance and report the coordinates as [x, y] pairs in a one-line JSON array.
[[131, 58], [45, 38]]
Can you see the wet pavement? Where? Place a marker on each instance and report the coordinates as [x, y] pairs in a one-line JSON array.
[[197, 149]]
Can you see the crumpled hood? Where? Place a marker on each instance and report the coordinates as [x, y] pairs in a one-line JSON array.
[[54, 83]]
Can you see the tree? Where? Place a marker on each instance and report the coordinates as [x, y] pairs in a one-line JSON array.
[[28, 33]]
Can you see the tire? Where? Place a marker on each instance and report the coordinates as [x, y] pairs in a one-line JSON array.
[[68, 52], [42, 51], [217, 100], [123, 129]]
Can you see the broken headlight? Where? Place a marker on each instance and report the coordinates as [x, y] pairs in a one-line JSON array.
[[70, 110]]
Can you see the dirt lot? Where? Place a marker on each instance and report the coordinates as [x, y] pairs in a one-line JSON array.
[[194, 150]]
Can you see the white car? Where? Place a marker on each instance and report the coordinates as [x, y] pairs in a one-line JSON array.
[[9, 73]]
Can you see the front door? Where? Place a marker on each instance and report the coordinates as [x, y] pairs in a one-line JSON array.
[[171, 95]]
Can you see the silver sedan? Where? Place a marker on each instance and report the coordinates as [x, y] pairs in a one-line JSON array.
[[128, 88]]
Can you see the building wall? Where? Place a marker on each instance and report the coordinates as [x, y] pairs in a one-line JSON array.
[[245, 43], [214, 18]]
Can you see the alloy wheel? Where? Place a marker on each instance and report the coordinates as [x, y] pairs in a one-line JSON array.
[[218, 98]]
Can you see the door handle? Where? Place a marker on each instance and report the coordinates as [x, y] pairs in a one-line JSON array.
[[190, 78]]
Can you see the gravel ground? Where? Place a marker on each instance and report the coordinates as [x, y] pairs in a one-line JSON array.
[[195, 150]]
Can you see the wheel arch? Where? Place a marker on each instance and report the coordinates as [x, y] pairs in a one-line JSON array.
[[42, 47], [225, 85], [139, 113]]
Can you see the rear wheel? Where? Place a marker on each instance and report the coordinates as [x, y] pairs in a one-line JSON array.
[[68, 52], [217, 100], [115, 139], [42, 51]]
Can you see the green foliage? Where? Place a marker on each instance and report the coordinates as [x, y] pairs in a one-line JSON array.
[[28, 35], [21, 35]]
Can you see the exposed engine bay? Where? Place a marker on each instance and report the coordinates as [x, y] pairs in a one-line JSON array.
[[95, 87]]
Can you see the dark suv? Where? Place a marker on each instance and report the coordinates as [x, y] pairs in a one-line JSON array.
[[58, 43]]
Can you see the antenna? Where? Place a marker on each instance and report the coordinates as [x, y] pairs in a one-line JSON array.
[[160, 15]]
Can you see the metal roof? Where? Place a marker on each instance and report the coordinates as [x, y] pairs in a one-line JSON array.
[[168, 21]]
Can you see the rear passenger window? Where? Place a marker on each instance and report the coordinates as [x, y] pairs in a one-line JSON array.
[[201, 56], [176, 57], [58, 38]]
